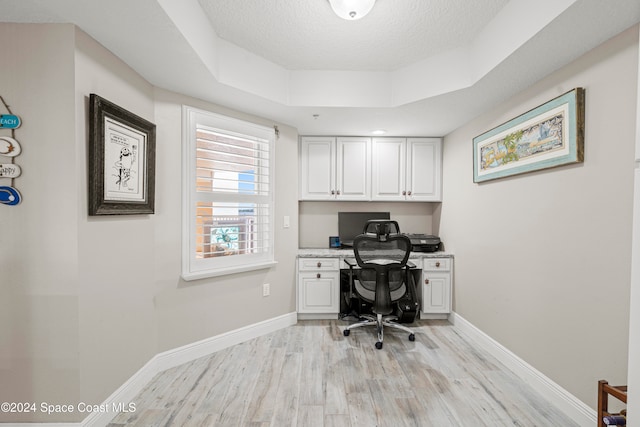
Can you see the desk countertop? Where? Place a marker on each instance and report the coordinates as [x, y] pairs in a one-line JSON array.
[[332, 253]]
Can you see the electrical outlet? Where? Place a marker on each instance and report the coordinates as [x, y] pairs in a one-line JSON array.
[[265, 290]]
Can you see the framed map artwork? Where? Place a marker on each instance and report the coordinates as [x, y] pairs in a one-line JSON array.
[[549, 135]]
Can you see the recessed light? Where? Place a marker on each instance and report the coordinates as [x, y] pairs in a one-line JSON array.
[[379, 132]]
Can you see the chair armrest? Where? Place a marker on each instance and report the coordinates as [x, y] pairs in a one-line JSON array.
[[351, 262]]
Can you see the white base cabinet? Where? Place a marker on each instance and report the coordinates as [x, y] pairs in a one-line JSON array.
[[436, 288], [318, 288]]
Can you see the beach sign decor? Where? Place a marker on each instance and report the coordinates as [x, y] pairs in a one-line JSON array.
[[9, 170], [9, 147], [9, 121], [9, 196]]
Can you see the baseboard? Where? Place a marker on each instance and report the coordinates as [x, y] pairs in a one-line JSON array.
[[178, 356], [563, 400], [314, 316], [433, 316]]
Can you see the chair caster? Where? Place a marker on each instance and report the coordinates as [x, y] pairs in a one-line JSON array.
[[346, 332], [412, 337], [379, 345]]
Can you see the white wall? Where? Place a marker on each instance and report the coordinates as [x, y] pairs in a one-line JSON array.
[[543, 259]]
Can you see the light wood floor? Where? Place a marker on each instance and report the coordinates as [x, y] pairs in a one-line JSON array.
[[309, 375]]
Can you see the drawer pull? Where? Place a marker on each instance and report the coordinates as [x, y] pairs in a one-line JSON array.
[[318, 276], [319, 264], [426, 281], [437, 263]]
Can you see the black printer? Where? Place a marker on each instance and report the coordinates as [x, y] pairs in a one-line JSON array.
[[424, 242]]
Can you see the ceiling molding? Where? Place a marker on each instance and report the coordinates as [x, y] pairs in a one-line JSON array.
[[175, 47]]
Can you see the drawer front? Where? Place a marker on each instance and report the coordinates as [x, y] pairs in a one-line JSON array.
[[437, 264], [318, 264]]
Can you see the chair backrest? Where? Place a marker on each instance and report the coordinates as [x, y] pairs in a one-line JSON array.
[[385, 244], [381, 227], [385, 253]]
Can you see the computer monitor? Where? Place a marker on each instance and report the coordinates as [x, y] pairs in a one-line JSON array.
[[350, 224]]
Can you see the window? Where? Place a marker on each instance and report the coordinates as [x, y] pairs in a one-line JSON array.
[[228, 195]]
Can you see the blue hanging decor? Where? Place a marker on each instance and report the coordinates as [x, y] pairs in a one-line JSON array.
[[9, 196], [9, 121], [9, 147]]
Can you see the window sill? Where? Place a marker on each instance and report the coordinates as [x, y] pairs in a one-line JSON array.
[[226, 271]]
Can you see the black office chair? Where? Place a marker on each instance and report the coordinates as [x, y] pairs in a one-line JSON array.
[[384, 276]]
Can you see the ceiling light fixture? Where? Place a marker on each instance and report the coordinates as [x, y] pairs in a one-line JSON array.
[[352, 9]]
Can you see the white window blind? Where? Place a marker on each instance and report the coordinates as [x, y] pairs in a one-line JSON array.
[[229, 208]]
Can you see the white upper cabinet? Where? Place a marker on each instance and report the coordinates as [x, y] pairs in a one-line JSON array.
[[317, 168], [361, 168], [424, 169], [353, 168], [335, 168], [407, 169], [389, 169]]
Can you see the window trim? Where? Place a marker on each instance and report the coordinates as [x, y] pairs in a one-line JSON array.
[[192, 268]]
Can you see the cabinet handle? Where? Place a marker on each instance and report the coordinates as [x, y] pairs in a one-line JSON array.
[[426, 281], [333, 192], [404, 193], [437, 263], [319, 264], [338, 192], [409, 192], [318, 276]]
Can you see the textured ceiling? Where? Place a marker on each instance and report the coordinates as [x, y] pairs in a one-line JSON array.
[[307, 35], [412, 67]]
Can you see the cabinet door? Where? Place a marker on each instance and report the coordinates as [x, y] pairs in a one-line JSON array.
[[319, 292], [317, 168], [436, 293], [353, 168], [388, 169], [424, 169]]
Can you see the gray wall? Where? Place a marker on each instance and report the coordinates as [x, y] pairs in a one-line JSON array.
[[543, 259], [85, 301], [116, 254], [319, 220], [39, 245], [191, 311]]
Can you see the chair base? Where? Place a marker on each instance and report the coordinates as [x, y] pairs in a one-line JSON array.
[[380, 322]]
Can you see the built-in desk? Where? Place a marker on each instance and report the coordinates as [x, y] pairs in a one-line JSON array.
[[318, 290]]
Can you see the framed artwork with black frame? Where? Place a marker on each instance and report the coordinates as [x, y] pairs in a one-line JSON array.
[[121, 160]]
